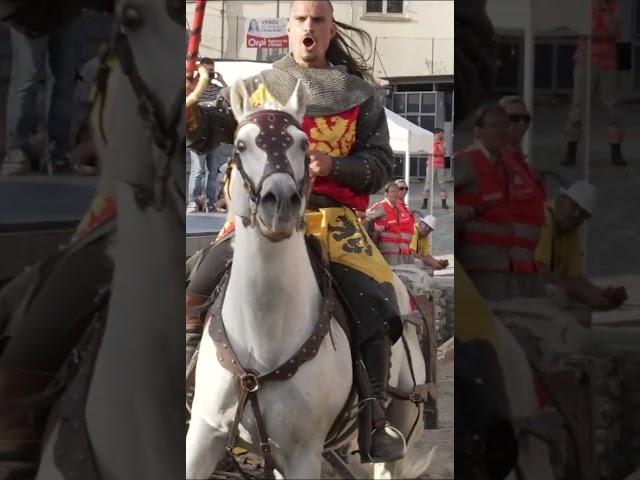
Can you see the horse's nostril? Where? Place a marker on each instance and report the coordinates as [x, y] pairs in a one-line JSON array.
[[295, 200], [269, 199]]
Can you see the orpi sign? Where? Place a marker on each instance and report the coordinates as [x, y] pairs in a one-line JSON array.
[[267, 32]]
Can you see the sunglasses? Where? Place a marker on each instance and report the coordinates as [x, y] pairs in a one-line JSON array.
[[517, 118], [403, 188]]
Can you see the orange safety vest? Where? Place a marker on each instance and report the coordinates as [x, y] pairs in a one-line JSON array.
[[405, 227], [504, 236], [604, 53], [438, 154], [392, 238]]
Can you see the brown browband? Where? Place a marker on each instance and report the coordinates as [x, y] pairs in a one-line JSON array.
[[250, 381]]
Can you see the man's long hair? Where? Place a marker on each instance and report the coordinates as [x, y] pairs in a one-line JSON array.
[[343, 50]]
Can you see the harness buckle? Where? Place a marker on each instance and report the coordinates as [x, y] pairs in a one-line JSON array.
[[249, 382]]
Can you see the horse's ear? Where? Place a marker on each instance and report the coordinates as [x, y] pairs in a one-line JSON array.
[[239, 100], [297, 103]]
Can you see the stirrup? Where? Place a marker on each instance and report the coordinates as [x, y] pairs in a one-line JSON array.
[[398, 432]]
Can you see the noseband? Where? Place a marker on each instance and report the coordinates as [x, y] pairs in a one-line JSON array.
[[274, 140]]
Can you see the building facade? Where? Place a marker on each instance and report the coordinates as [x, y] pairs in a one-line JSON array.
[[554, 52], [412, 52]]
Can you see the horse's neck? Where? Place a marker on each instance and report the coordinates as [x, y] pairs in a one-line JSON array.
[[272, 302]]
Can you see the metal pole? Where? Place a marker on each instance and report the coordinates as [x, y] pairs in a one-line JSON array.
[[195, 36], [237, 32], [407, 161], [222, 31], [529, 74], [277, 8]]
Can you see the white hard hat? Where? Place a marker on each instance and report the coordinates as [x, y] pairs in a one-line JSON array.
[[583, 193], [430, 220]]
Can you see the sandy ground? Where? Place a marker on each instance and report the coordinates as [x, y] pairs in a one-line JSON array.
[[431, 457]]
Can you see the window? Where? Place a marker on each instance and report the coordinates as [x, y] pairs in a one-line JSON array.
[[417, 107], [384, 6]]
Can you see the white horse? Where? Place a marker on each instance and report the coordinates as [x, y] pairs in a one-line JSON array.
[[270, 309], [135, 404]]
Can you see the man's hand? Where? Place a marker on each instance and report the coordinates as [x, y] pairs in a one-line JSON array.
[[616, 295], [320, 164], [444, 263], [379, 228]]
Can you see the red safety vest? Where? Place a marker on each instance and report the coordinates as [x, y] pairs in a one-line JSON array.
[[604, 53], [391, 239], [504, 236], [438, 154], [405, 227]]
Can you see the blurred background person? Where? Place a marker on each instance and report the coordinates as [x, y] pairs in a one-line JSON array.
[[604, 74]]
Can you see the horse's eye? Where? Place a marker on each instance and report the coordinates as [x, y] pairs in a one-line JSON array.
[[131, 18], [304, 145], [240, 147]]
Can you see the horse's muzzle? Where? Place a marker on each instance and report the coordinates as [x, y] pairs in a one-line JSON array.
[[279, 208]]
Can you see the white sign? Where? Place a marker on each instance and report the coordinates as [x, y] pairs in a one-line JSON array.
[[267, 32]]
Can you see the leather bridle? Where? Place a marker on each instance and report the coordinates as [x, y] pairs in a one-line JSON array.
[[166, 132], [274, 140]]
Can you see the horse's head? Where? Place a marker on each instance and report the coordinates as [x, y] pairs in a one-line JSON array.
[[269, 185], [145, 129]]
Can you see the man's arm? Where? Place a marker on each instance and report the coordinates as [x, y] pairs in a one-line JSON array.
[[209, 124], [432, 262], [577, 287], [370, 164]]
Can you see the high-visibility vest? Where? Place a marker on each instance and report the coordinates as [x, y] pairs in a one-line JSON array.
[[438, 154], [405, 227], [391, 240], [503, 237], [604, 53]]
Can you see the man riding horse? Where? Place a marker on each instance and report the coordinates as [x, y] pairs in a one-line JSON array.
[[350, 158]]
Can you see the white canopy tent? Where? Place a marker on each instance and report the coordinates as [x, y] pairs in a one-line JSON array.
[[405, 137], [409, 138]]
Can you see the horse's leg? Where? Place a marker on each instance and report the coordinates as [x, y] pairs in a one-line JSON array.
[[205, 448], [303, 461]]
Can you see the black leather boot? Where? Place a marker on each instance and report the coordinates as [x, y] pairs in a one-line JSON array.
[[387, 444], [425, 204], [616, 155], [570, 154]]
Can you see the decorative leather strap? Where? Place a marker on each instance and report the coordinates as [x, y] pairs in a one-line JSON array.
[[250, 381]]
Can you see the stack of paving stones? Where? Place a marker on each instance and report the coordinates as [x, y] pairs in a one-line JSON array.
[[629, 378], [443, 306], [608, 422], [440, 289]]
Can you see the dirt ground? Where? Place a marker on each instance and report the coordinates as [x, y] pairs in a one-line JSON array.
[[432, 456]]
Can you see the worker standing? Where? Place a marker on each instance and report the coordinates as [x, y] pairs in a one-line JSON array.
[[604, 72], [435, 169]]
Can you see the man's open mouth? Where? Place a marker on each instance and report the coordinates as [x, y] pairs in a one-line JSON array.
[[308, 42]]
